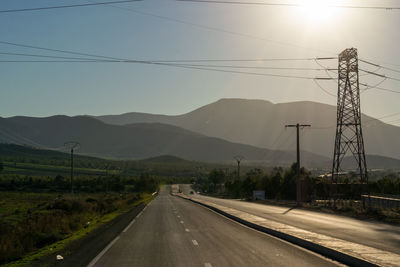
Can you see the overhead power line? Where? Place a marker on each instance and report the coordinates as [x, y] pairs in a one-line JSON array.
[[245, 72], [369, 87], [249, 60], [380, 88], [379, 66], [67, 6], [88, 60], [53, 61], [257, 67], [380, 75], [288, 4], [323, 89], [216, 29], [162, 61], [58, 50], [366, 121], [44, 56], [176, 65]]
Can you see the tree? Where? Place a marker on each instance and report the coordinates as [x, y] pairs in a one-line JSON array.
[[1, 166], [216, 177]]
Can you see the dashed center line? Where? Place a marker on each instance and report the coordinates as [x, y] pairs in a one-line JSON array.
[[195, 242], [207, 264], [182, 221], [187, 230]]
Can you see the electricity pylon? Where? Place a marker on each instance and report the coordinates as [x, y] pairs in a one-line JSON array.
[[72, 145], [349, 137]]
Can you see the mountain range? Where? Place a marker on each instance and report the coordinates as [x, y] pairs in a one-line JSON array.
[[261, 123], [133, 141], [212, 133]]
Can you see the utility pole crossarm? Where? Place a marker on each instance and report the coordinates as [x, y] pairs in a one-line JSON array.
[[298, 125]]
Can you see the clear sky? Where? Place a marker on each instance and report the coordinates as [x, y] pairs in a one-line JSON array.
[[193, 31]]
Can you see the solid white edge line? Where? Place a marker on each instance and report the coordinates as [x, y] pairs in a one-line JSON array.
[[129, 225], [94, 261], [275, 237]]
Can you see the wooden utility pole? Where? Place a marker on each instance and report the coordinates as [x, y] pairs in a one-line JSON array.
[[72, 145], [298, 180], [238, 159]]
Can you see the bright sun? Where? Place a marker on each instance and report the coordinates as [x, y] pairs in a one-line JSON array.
[[316, 11]]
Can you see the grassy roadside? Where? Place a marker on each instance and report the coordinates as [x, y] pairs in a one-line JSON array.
[[89, 219]]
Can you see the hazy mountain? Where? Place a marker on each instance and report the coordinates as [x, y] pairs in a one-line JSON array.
[[261, 123], [373, 162], [134, 141]]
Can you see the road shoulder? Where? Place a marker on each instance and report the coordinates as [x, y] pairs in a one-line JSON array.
[[340, 250], [80, 252]]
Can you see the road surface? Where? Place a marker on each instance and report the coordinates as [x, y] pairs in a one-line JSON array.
[[175, 232], [370, 233]]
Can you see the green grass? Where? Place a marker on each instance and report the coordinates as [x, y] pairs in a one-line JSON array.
[[19, 168], [14, 208], [14, 205]]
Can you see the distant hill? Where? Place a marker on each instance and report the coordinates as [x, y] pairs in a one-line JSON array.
[[373, 162], [261, 123], [13, 151], [164, 159], [134, 141]]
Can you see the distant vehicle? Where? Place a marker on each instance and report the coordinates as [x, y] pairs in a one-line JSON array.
[[191, 192]]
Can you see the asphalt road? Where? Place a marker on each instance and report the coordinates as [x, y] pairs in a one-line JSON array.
[[370, 233], [175, 232]]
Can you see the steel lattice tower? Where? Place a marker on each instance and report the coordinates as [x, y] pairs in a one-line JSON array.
[[349, 137]]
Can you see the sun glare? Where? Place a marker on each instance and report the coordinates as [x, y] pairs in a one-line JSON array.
[[316, 11]]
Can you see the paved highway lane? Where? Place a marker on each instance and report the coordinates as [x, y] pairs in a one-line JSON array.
[[176, 232], [370, 233]]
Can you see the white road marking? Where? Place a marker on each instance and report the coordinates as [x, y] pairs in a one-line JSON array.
[[129, 225], [178, 216], [94, 261], [207, 264], [195, 242], [182, 221], [187, 230]]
